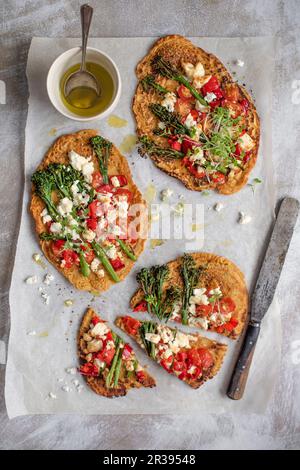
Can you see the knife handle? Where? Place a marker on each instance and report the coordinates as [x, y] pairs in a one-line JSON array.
[[240, 373]]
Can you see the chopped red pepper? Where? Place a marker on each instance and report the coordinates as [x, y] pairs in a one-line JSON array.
[[121, 179], [117, 264], [95, 320], [212, 85], [70, 258], [89, 369], [141, 307], [92, 223], [140, 375]]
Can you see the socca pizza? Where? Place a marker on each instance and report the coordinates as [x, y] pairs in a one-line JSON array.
[[81, 199], [108, 364], [200, 290], [194, 121], [190, 357]]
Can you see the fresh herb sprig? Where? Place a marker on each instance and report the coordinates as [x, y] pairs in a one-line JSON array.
[[149, 82], [190, 275], [164, 68], [171, 120], [102, 149], [148, 147]]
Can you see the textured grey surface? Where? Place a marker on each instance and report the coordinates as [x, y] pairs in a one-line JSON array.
[[20, 20]]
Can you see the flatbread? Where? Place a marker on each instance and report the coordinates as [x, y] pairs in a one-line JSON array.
[[97, 384], [220, 272], [58, 153], [175, 49], [217, 350]]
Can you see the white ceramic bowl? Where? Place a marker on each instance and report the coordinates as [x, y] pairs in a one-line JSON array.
[[72, 57]]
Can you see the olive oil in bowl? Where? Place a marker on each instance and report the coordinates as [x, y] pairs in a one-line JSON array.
[[84, 101]]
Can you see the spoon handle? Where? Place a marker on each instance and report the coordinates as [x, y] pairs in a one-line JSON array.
[[86, 17]]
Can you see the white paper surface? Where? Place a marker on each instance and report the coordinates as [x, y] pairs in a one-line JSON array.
[[37, 363]]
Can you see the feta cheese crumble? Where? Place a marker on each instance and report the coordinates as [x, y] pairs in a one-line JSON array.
[[169, 101], [244, 219], [31, 280], [219, 206], [48, 279]]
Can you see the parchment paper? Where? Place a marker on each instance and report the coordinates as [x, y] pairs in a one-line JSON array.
[[37, 363]]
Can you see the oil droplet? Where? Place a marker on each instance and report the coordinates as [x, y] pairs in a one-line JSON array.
[[43, 334], [196, 227], [128, 143], [95, 293], [116, 121], [52, 132], [150, 193], [226, 243], [156, 242], [68, 302], [38, 260]]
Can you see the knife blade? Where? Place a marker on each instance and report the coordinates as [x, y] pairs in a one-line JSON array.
[[264, 291]]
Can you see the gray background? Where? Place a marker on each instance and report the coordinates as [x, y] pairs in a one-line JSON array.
[[279, 427]]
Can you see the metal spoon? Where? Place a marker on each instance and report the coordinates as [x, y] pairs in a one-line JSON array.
[[83, 78]]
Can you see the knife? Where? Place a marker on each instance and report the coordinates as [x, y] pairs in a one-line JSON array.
[[264, 291]]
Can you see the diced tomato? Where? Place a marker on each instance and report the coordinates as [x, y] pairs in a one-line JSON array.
[[197, 174], [121, 178], [193, 357], [131, 325], [105, 188], [245, 104], [106, 355], [219, 94], [57, 247], [88, 253], [178, 366], [127, 350], [228, 327], [70, 258], [215, 103], [232, 93], [205, 357], [194, 113], [183, 107], [220, 329], [227, 305], [93, 209], [195, 374], [140, 375], [183, 375], [124, 192], [218, 177], [117, 264], [95, 320], [204, 310], [89, 256], [109, 336], [96, 179], [166, 364], [92, 223], [141, 307], [235, 108], [181, 356], [184, 93], [89, 369], [175, 144], [238, 150], [189, 144], [210, 86]]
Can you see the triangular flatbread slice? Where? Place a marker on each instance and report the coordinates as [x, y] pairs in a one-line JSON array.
[[108, 364], [218, 300], [190, 357]]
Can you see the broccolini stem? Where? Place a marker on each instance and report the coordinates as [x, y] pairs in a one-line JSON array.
[[149, 82], [127, 250], [105, 261], [163, 67]]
